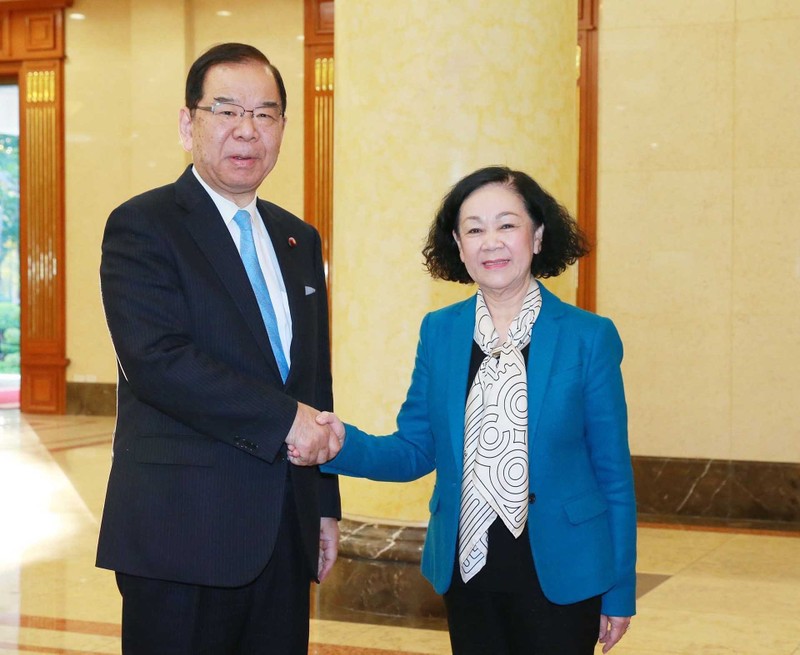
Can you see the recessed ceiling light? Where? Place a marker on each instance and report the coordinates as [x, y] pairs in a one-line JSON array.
[[77, 16], [224, 13]]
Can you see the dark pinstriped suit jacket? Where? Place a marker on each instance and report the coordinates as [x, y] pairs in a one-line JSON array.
[[199, 468]]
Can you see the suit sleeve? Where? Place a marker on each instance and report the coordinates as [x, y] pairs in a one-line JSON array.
[[606, 423], [153, 328]]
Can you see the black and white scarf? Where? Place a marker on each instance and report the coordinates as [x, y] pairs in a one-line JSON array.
[[495, 481]]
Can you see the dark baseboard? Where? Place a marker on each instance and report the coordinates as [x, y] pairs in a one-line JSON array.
[[735, 493], [377, 579], [91, 398]]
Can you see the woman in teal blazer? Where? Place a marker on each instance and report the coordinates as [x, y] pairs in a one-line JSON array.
[[564, 561]]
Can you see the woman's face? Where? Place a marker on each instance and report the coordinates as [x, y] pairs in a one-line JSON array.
[[496, 238]]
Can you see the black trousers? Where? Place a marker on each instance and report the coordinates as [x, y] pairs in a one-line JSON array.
[[524, 622], [269, 616]]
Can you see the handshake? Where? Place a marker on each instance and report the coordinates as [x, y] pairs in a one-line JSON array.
[[315, 437]]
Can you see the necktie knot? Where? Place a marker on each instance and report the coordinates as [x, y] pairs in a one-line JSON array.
[[242, 219]]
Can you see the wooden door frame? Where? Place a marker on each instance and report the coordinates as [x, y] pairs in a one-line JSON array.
[[32, 46], [588, 16], [318, 124]]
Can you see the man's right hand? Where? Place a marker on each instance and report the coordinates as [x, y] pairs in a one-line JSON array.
[[310, 443]]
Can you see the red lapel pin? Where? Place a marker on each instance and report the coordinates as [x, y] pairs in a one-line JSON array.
[[292, 242]]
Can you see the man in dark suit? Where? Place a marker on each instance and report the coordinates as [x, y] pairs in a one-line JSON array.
[[217, 308]]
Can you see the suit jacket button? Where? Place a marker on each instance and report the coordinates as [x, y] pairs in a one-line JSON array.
[[532, 498]]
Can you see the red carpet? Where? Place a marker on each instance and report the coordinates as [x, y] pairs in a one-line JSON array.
[[9, 398]]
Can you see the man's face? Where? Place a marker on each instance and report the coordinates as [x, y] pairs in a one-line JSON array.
[[234, 156]]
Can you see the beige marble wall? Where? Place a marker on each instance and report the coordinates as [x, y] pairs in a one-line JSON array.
[[124, 82], [699, 244], [424, 96]]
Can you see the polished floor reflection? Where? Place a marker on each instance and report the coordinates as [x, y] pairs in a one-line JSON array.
[[703, 591]]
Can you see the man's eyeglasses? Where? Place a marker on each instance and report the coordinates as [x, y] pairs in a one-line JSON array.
[[229, 113]]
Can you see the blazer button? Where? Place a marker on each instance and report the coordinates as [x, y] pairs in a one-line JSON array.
[[532, 498]]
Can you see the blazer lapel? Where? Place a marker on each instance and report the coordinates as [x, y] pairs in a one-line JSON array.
[[458, 357], [207, 228], [544, 339]]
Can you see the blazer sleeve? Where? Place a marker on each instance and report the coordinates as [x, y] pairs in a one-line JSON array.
[[409, 452], [153, 325], [606, 422]]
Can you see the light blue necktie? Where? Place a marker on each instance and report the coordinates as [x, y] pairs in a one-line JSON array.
[[247, 249]]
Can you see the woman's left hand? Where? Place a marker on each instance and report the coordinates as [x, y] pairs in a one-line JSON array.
[[612, 628]]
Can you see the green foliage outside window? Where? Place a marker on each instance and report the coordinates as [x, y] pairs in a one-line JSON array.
[[9, 253]]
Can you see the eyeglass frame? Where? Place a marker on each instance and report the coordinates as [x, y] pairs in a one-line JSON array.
[[271, 105]]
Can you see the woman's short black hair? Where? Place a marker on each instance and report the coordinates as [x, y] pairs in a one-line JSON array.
[[227, 53], [563, 242]]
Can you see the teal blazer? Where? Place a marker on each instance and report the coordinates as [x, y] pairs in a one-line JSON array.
[[582, 514]]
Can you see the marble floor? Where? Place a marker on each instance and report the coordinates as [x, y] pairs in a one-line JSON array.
[[703, 591]]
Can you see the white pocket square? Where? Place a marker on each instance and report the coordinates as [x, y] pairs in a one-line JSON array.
[[310, 290]]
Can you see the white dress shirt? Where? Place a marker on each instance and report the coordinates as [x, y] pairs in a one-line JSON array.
[[266, 258]]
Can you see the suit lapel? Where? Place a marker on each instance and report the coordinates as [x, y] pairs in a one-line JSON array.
[[458, 357], [207, 228], [544, 339]]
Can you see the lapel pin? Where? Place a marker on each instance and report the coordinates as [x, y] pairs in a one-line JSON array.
[[292, 242]]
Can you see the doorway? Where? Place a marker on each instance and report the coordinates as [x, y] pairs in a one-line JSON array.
[[9, 245]]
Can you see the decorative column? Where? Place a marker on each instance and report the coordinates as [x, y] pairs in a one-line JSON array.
[[425, 94]]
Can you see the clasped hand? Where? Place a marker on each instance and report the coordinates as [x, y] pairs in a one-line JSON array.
[[315, 437]]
